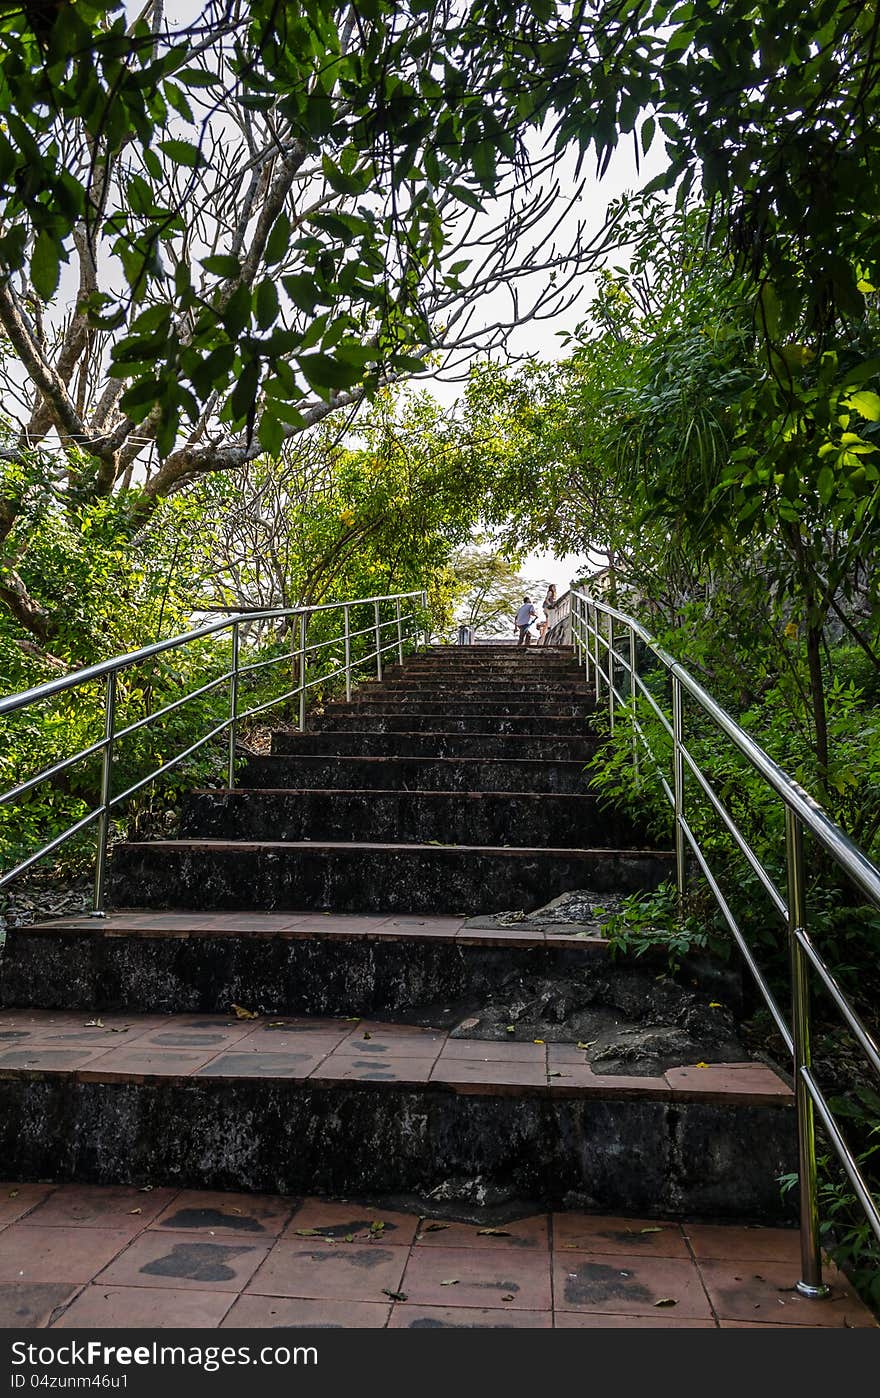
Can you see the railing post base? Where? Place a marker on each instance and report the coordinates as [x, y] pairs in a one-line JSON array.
[[815, 1293]]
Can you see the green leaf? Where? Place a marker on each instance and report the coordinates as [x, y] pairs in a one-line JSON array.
[[182, 152], [270, 434], [278, 241], [266, 303], [45, 265], [237, 311], [244, 394], [222, 264], [865, 403], [325, 372]]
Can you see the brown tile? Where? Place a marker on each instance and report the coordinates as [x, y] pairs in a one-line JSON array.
[[474, 1277], [730, 1242], [519, 1233], [140, 1065], [494, 1051], [86, 1031], [500, 936], [279, 1037], [611, 1320], [736, 1084], [339, 925], [144, 1308], [100, 1206], [561, 1055], [339, 1220], [208, 1032], [31, 1254], [31, 1304], [260, 1217], [290, 1065], [347, 1068], [330, 1271], [765, 1291], [588, 1281], [577, 1080], [187, 1260], [37, 1059], [450, 925], [282, 1312], [16, 1200], [498, 1079], [405, 1316], [627, 1237], [396, 1042]]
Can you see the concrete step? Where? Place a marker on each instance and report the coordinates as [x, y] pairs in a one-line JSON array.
[[414, 878], [409, 817], [370, 1108], [526, 726], [355, 742], [414, 773], [451, 704]]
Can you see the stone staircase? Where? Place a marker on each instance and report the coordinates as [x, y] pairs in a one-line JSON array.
[[359, 871]]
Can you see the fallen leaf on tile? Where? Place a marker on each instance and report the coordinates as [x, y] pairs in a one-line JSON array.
[[555, 1073], [145, 1188], [701, 1065], [450, 1281], [586, 1046], [715, 1005], [508, 1297], [307, 1232], [537, 1041], [367, 1034], [349, 1238], [395, 1295], [377, 1226], [241, 1013], [94, 1024], [135, 1211], [434, 1227], [650, 1230], [13, 1193], [492, 1233], [667, 1301]]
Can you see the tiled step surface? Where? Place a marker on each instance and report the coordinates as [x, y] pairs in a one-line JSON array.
[[418, 741], [325, 764], [363, 720], [372, 1107], [452, 704], [363, 877], [475, 818], [91, 1258]]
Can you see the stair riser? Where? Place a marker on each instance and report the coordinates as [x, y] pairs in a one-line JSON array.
[[525, 727], [414, 774], [454, 707], [324, 976], [626, 1156], [359, 879], [430, 743], [479, 689], [408, 817]]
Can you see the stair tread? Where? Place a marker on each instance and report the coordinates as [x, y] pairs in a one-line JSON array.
[[330, 1052], [560, 850]]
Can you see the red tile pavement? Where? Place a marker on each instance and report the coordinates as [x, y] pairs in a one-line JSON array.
[[199, 1258], [147, 1308]]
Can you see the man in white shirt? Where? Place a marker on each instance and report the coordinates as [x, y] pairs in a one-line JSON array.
[[524, 618]]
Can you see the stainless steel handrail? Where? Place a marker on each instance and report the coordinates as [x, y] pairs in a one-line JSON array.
[[410, 628], [802, 813]]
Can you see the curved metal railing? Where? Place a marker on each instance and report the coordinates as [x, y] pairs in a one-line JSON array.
[[596, 646], [406, 627]]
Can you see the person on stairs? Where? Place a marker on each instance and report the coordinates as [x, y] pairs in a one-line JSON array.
[[548, 605], [524, 618]]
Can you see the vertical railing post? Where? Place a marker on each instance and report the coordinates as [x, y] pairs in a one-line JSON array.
[[810, 1283], [106, 793], [585, 638], [678, 786], [610, 655], [426, 618], [576, 631], [594, 624], [399, 630], [302, 672], [378, 642], [632, 701], [233, 707], [347, 654]]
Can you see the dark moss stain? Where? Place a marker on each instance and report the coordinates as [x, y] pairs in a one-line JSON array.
[[188, 1040], [213, 1218], [196, 1262], [594, 1282], [356, 1225], [364, 1258]]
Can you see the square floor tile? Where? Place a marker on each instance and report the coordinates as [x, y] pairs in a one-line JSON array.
[[479, 1277], [187, 1260], [100, 1206], [626, 1237], [141, 1064], [144, 1308], [610, 1320], [487, 1050], [495, 1079], [16, 1200], [251, 1216], [292, 1065], [36, 1058], [367, 1043], [340, 1220], [405, 1316], [765, 1291], [346, 1068], [330, 1271], [31, 1254], [282, 1312], [730, 1083], [207, 1032], [586, 1281], [731, 1242], [519, 1233], [30, 1305]]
